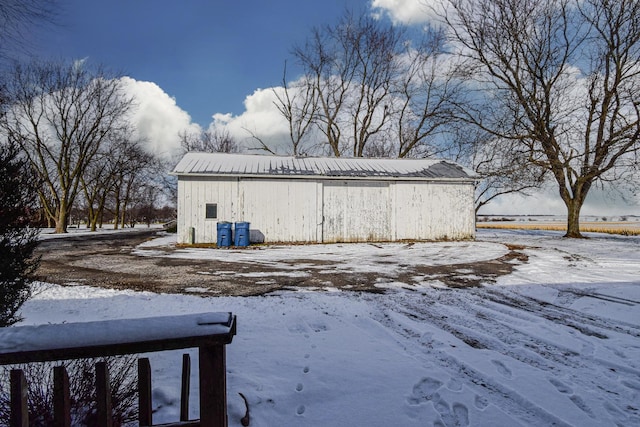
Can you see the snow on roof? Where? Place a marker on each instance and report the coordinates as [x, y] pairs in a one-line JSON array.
[[223, 164]]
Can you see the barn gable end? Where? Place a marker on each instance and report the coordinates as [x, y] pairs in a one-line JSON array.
[[322, 200]]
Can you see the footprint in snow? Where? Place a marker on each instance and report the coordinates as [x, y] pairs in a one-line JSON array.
[[319, 327], [455, 416], [616, 351], [460, 415], [481, 402], [502, 368], [424, 390], [441, 405], [576, 400], [560, 386], [454, 384], [582, 405], [298, 328], [588, 349], [619, 416]]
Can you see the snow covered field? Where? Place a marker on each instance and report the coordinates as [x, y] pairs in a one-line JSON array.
[[557, 342]]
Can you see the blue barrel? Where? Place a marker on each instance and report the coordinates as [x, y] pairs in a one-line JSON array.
[[224, 234], [241, 237]]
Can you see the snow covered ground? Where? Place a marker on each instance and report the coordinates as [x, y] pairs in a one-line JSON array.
[[557, 342]]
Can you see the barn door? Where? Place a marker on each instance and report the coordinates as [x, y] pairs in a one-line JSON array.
[[356, 211]]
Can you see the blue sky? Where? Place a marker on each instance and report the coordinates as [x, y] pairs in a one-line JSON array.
[[208, 55]]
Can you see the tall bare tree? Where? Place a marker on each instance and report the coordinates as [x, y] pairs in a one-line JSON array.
[[350, 68], [371, 89], [298, 104], [132, 169], [60, 114], [563, 80], [120, 157], [426, 91]]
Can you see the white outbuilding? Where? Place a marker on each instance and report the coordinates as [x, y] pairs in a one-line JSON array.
[[322, 200]]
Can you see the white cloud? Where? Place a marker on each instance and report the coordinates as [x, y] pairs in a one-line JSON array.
[[157, 117], [260, 118], [408, 11]]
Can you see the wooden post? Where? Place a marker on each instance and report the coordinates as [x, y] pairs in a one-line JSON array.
[[19, 409], [61, 398], [103, 396], [145, 416], [184, 390], [213, 386]]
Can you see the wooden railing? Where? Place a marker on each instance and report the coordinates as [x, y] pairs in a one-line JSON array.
[[209, 332]]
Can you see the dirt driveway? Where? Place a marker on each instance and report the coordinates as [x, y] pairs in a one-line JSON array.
[[106, 260]]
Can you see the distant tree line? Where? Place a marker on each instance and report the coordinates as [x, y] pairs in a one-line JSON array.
[[72, 124]]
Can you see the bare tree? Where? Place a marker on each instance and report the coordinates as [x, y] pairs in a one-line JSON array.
[[563, 85], [120, 156], [96, 182], [133, 169], [60, 115], [426, 91], [372, 90], [501, 169], [298, 104], [17, 17], [350, 68], [215, 140]]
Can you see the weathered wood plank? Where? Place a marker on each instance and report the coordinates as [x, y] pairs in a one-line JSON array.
[[213, 386], [19, 409], [24, 344], [194, 423], [184, 390], [103, 396], [61, 398], [145, 411], [209, 332]]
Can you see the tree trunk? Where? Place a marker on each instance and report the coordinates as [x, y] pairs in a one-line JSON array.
[[93, 218], [116, 213], [61, 220], [573, 217]]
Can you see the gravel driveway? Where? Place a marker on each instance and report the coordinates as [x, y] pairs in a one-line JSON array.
[[111, 260]]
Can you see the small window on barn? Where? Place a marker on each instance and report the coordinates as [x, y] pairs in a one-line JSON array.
[[212, 211]]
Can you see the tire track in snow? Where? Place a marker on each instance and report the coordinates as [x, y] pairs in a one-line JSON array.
[[487, 390], [495, 320], [559, 314]]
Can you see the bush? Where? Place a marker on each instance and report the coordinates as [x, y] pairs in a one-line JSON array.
[[123, 381], [18, 200]]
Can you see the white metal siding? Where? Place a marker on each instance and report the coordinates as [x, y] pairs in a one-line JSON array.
[[280, 209], [356, 211], [193, 195], [434, 211], [309, 210]]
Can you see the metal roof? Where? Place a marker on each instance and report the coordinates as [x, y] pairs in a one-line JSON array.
[[223, 164]]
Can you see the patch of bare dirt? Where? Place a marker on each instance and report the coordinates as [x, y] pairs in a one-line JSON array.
[[106, 260]]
